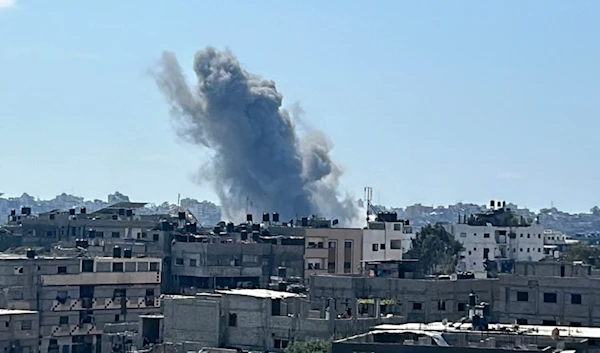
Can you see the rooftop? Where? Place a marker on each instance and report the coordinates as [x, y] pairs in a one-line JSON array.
[[16, 312], [528, 330], [260, 293]]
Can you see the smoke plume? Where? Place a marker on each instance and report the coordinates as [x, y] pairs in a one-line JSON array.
[[259, 160]]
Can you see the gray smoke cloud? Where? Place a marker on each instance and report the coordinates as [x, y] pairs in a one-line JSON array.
[[259, 159]]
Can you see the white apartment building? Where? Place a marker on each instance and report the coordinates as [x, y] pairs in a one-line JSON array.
[[497, 235], [387, 238]]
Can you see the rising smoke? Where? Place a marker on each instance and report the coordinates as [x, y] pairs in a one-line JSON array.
[[259, 160]]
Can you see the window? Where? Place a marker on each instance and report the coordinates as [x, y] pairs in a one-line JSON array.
[[397, 227], [348, 244], [486, 235], [275, 307], [117, 267], [396, 244], [144, 235], [26, 325], [117, 318], [548, 322], [375, 247], [155, 237], [63, 320], [149, 292], [463, 235], [550, 297], [441, 305], [347, 267], [179, 261], [63, 294], [382, 246], [331, 244], [154, 267], [115, 235], [232, 320], [575, 298], [539, 236], [280, 344], [521, 321], [87, 266], [193, 263], [99, 234], [17, 294], [528, 235], [331, 267], [575, 324], [417, 306], [462, 307], [130, 267], [62, 269], [522, 296]]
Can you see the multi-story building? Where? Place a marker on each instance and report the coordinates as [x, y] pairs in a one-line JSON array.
[[387, 238], [231, 256], [77, 296], [19, 331], [255, 320], [497, 236]]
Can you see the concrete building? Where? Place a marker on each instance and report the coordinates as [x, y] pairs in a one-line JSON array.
[[19, 331], [387, 238], [77, 296], [498, 235], [234, 259], [254, 319], [541, 293], [333, 250]]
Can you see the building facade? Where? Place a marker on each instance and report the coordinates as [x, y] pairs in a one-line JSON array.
[[333, 250], [387, 238], [19, 331], [77, 296], [496, 236]]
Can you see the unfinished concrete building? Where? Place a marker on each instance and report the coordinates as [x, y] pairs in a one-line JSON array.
[[19, 331], [254, 319], [232, 260], [535, 293], [77, 296]]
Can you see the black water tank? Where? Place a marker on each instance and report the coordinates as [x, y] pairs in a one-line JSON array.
[[129, 213], [83, 210], [193, 228], [249, 217], [275, 217], [256, 227], [304, 222], [13, 212], [244, 235], [72, 212], [230, 227], [472, 299], [30, 254], [114, 217], [282, 272], [117, 251], [181, 216], [121, 212], [51, 216], [407, 222], [217, 230], [266, 217], [127, 253], [255, 236]]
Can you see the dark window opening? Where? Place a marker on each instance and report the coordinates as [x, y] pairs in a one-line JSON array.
[[522, 296], [232, 320], [417, 306], [575, 298], [550, 297], [62, 269]]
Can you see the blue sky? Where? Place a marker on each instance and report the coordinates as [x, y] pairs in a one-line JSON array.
[[433, 102]]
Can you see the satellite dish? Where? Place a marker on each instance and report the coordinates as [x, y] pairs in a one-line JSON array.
[[555, 334]]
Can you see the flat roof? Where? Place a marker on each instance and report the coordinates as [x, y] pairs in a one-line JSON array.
[[261, 293], [16, 312], [528, 330]]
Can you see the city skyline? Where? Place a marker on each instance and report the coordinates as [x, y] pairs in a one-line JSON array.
[[417, 103]]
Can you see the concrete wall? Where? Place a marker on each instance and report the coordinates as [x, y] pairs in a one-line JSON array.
[[22, 328]]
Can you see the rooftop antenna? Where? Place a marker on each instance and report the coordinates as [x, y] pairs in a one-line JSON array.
[[369, 198], [178, 200]]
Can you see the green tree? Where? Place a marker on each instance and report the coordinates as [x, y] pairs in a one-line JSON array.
[[315, 346], [436, 249], [581, 252]]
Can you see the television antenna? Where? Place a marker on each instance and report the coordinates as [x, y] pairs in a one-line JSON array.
[[368, 198]]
